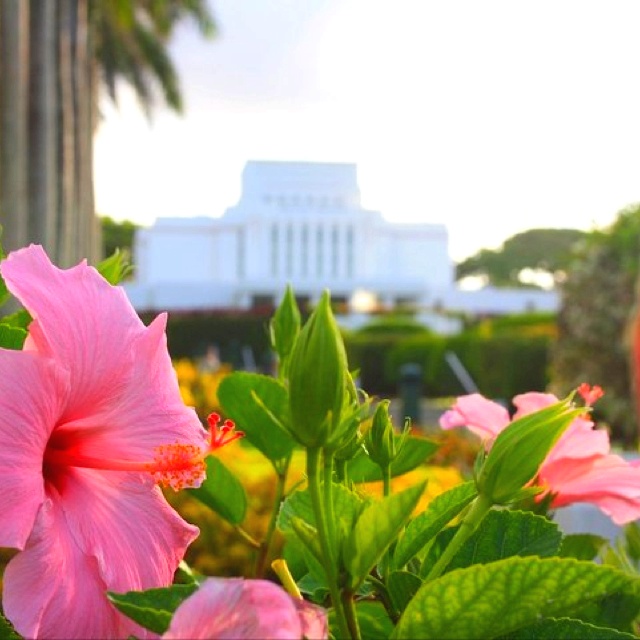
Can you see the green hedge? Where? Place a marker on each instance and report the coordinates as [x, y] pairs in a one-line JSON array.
[[500, 366], [189, 335]]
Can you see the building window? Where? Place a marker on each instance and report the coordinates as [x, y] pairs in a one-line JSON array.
[[274, 249], [350, 261], [319, 250], [289, 254], [304, 255], [335, 238]]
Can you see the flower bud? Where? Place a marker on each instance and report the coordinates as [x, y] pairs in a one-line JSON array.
[[519, 450], [318, 378], [285, 326], [380, 441]]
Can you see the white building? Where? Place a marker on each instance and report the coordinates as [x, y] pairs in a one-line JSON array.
[[302, 224]]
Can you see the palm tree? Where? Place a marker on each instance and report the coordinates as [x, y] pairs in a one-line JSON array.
[[130, 44], [54, 55]]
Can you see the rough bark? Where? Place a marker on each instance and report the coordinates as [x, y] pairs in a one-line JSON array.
[[43, 126], [14, 60], [47, 104]]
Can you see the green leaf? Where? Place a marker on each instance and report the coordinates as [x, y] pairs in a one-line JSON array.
[[259, 406], [413, 453], [222, 492], [305, 568], [567, 629], [496, 599], [402, 586], [632, 539], [347, 505], [308, 535], [115, 268], [501, 534], [7, 632], [4, 292], [618, 611], [12, 337], [377, 527], [581, 546], [374, 621], [154, 608], [21, 318], [441, 510]]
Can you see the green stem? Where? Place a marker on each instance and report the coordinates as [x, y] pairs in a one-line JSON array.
[[328, 503], [479, 508], [247, 537], [386, 489], [341, 471], [350, 613], [263, 553], [330, 566]]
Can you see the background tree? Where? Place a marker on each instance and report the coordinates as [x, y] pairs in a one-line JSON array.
[[597, 298], [54, 56], [117, 235], [541, 250]]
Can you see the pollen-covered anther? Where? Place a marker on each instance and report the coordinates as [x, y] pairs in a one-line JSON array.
[[590, 393], [178, 466]]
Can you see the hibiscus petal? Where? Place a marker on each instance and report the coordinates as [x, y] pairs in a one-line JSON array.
[[580, 440], [609, 482], [237, 608], [481, 416], [139, 417], [526, 403], [33, 393], [125, 522], [313, 620], [53, 589], [79, 320]]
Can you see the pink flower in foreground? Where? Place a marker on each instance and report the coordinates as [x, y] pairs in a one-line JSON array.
[[248, 610], [90, 418], [580, 467]]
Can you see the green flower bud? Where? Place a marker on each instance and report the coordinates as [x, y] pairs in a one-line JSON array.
[[319, 380], [380, 441], [284, 327], [519, 450]]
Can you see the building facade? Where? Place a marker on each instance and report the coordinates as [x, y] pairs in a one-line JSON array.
[[301, 224]]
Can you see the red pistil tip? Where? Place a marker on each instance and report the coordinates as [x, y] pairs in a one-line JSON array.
[[590, 393], [178, 466], [221, 435]]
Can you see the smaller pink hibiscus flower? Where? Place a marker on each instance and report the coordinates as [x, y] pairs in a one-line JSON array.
[[580, 467], [247, 609]]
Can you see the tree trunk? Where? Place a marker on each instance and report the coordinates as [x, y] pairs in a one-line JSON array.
[[14, 62], [43, 123], [47, 112]]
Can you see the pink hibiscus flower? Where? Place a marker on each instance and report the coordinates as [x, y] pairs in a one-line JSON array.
[[580, 467], [247, 610], [90, 419]]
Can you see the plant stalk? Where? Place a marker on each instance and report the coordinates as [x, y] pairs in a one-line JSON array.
[[263, 553], [329, 562], [479, 508]]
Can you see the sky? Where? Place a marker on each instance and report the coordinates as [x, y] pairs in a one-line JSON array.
[[490, 117]]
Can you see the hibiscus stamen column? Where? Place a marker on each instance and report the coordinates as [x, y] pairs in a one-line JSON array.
[[176, 465]]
